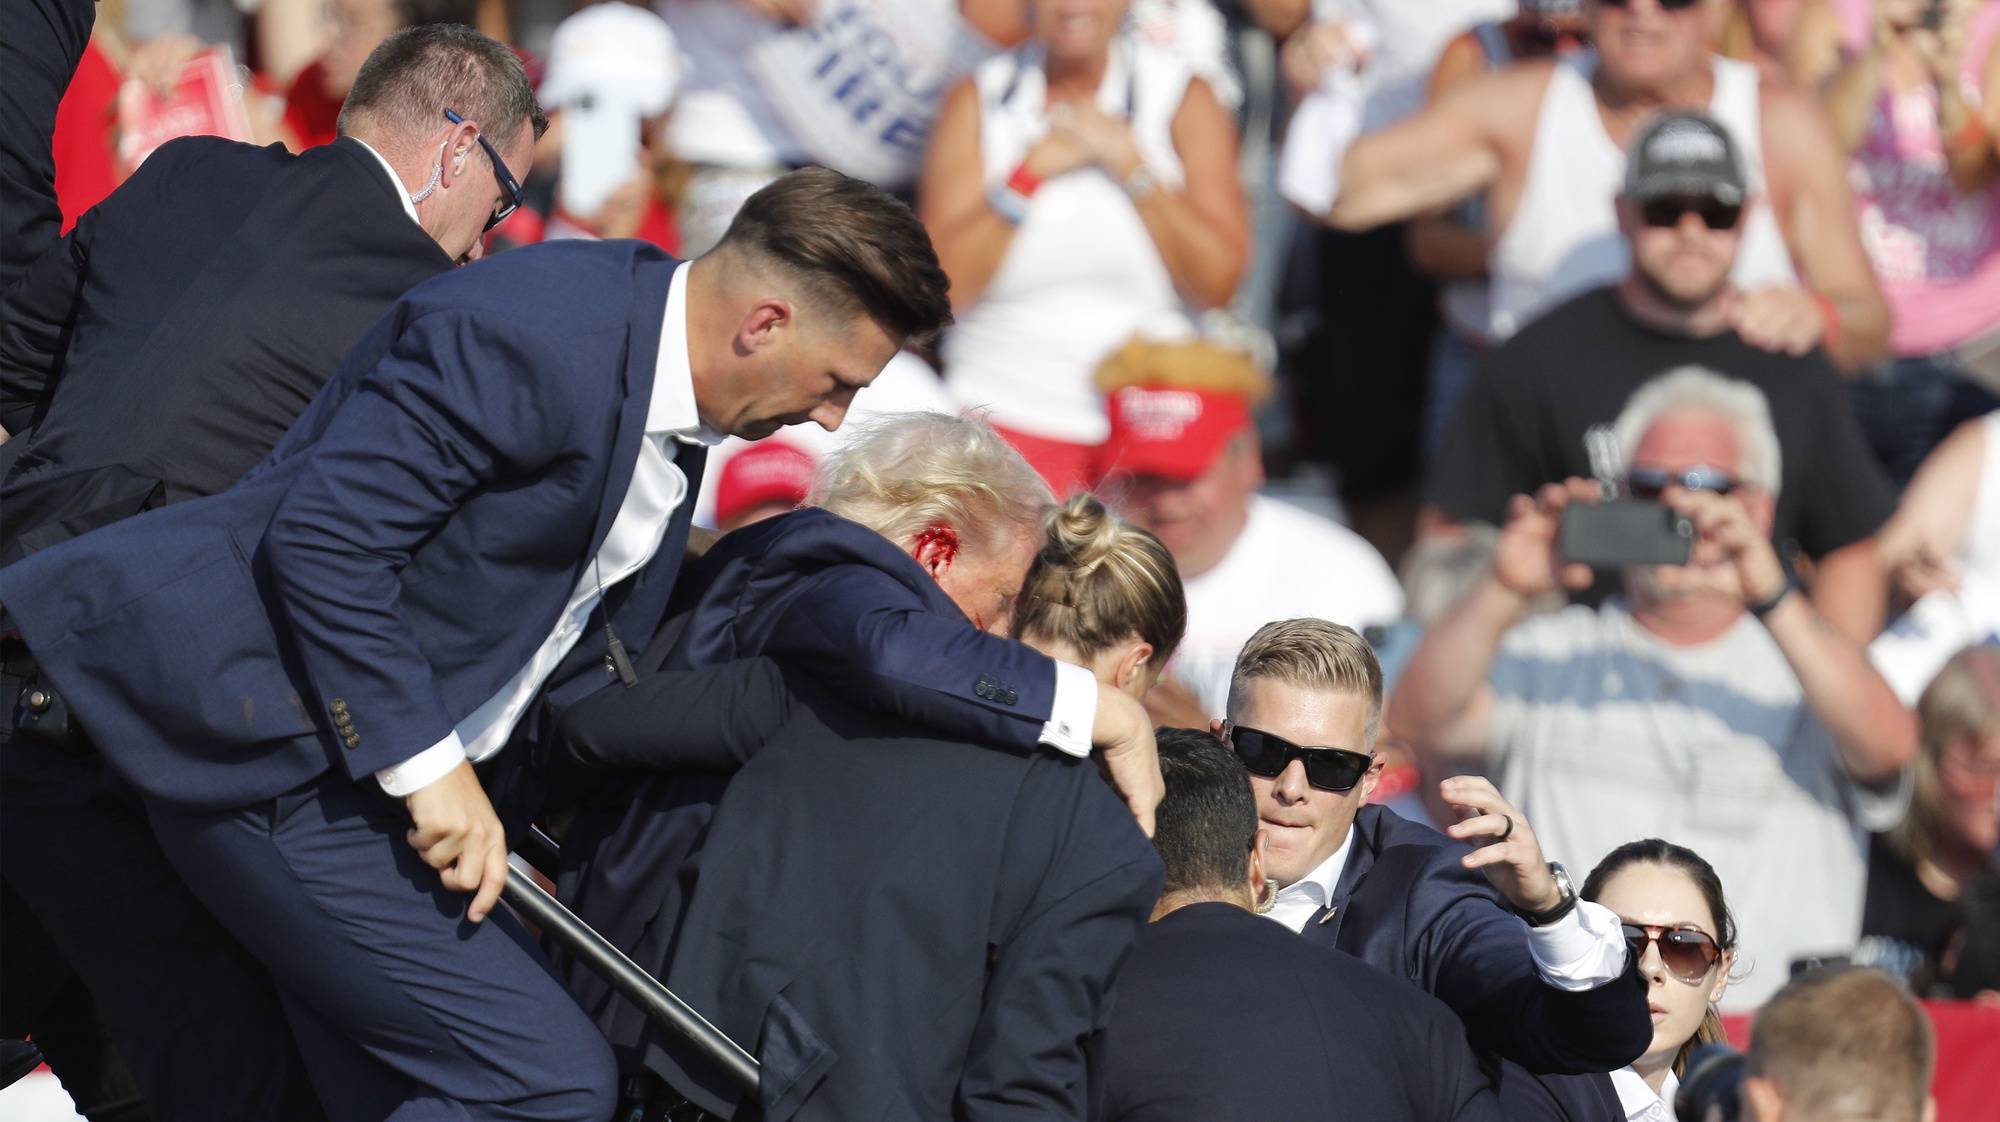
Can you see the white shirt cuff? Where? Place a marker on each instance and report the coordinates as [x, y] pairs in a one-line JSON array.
[[422, 769], [1581, 951], [1074, 711]]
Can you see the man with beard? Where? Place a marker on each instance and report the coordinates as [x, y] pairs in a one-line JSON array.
[[1522, 422], [1714, 705]]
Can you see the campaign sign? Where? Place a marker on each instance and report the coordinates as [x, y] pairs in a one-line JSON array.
[[207, 101]]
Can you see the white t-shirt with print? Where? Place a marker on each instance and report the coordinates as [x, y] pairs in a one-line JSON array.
[[1287, 564], [1604, 734]]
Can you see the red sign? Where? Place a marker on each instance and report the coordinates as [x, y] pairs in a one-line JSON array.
[[207, 101]]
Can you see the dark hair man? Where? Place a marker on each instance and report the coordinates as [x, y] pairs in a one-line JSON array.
[[497, 472], [1220, 1014], [1840, 1043], [1522, 421], [186, 321], [1541, 979]]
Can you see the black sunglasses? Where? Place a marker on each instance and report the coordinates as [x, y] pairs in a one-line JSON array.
[[1687, 954], [1651, 483], [1265, 755], [507, 181], [1665, 212], [1665, 5]]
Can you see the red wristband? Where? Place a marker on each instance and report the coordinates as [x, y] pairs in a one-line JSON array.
[[1830, 317], [1023, 182]]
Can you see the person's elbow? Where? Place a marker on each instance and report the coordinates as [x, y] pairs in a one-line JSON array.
[[1215, 286], [1877, 759]]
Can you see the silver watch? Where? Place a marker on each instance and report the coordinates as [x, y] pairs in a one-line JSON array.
[[1141, 182], [1562, 907]]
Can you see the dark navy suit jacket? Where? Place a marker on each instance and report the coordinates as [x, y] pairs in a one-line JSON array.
[[899, 926], [836, 603], [399, 556], [1405, 905], [1224, 1016], [163, 347]]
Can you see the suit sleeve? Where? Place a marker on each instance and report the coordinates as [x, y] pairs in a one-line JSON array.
[[861, 633], [1480, 965], [713, 719], [35, 316], [1047, 991], [454, 406]]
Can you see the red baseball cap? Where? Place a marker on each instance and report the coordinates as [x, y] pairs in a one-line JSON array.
[[769, 471], [1171, 431]]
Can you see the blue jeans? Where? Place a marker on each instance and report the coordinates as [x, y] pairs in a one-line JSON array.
[[1906, 406]]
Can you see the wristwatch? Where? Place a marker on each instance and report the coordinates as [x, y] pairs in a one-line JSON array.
[[1563, 907], [1765, 608]]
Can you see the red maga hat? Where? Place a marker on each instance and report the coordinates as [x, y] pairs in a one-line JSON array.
[[769, 471], [1171, 431]]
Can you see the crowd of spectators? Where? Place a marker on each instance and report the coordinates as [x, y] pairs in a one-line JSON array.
[[1350, 304]]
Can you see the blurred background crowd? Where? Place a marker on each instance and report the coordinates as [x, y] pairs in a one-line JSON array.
[[1750, 247]]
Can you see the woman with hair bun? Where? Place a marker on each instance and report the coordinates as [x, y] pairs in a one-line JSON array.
[[1681, 933], [1103, 595]]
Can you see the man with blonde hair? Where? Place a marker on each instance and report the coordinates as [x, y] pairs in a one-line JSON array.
[[1713, 705], [1541, 979], [899, 849], [1841, 1045]]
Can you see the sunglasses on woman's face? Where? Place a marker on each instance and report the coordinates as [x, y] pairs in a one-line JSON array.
[[1267, 756], [1688, 954], [1665, 5]]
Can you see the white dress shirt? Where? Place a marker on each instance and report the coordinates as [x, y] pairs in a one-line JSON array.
[[1581, 951], [402, 192], [657, 489], [1638, 1100]]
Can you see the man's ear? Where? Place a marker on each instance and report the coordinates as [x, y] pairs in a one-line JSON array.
[[1761, 1095], [1262, 890], [935, 548], [1372, 776], [762, 323]]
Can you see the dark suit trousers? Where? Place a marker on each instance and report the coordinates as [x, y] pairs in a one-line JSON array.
[[402, 1008], [194, 1015]]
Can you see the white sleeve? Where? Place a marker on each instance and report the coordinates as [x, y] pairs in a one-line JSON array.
[[424, 768], [1074, 712], [1581, 951]]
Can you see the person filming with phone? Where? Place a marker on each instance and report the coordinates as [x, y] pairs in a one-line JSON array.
[[1711, 704]]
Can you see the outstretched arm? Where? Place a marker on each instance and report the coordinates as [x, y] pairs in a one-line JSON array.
[[713, 719]]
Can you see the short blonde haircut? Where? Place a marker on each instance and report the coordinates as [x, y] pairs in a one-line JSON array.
[[1696, 388], [1098, 581], [1315, 654], [903, 473], [1845, 1042]]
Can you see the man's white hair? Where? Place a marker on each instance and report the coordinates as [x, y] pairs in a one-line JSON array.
[[903, 473], [1736, 402]]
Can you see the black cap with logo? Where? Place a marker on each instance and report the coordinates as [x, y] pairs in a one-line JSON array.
[[1685, 154]]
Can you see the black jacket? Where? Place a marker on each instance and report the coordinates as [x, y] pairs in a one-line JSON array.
[[1224, 1016], [158, 351], [1406, 905], [897, 926]]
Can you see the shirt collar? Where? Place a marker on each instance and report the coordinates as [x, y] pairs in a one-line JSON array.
[[1325, 876], [1639, 1102], [673, 411], [396, 181]]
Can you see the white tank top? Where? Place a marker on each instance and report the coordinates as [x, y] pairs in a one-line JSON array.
[[1563, 237], [1082, 276]]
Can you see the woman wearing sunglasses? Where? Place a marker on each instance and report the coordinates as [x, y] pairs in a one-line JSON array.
[[1680, 931]]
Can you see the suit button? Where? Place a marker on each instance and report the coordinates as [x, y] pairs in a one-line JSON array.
[[339, 705], [1010, 697], [352, 740]]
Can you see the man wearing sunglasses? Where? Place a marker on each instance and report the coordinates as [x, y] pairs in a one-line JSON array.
[[1547, 139], [1522, 421], [187, 320], [1712, 705], [1542, 981]]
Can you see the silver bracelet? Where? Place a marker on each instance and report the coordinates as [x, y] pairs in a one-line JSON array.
[[1008, 203]]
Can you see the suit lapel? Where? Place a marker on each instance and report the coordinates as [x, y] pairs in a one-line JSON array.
[[650, 278]]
